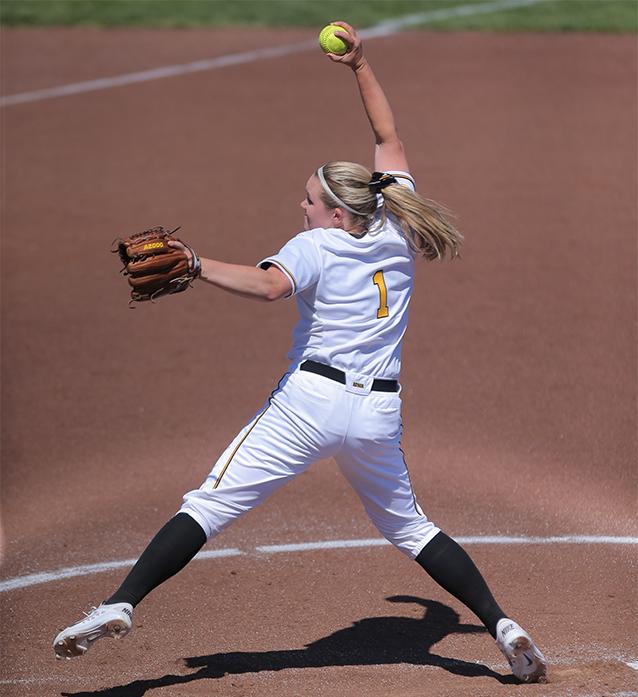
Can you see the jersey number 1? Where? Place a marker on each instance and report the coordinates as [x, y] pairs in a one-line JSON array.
[[379, 282]]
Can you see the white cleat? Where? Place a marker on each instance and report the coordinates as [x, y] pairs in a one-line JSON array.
[[527, 663], [114, 620]]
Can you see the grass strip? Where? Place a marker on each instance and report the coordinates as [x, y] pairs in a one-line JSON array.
[[549, 15]]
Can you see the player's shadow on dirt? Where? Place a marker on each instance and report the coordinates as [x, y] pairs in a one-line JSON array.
[[372, 641]]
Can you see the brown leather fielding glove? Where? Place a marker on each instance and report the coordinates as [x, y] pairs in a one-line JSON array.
[[153, 267]]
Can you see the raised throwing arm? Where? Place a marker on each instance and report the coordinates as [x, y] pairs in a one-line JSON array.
[[388, 152]]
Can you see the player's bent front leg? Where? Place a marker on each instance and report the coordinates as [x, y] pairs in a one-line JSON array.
[[264, 456]]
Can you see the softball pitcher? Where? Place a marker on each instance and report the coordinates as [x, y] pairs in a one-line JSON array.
[[351, 272]]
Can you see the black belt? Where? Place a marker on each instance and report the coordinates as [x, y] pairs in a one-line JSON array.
[[339, 376]]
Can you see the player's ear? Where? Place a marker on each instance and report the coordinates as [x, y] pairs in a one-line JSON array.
[[338, 217]]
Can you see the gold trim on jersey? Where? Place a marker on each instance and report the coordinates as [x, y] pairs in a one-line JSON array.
[[223, 472], [272, 394], [276, 262]]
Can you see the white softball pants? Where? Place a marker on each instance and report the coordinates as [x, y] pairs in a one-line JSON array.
[[307, 418]]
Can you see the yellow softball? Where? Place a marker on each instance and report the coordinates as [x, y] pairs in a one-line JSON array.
[[330, 43]]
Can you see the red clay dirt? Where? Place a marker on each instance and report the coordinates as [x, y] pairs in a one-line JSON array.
[[519, 377]]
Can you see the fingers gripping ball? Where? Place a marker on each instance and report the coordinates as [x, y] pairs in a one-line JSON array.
[[153, 267], [330, 43]]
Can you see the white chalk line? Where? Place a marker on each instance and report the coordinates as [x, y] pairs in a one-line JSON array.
[[89, 569], [623, 693], [468, 540], [385, 28], [18, 582]]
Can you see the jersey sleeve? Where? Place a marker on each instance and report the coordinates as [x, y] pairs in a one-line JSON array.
[[403, 178], [299, 260]]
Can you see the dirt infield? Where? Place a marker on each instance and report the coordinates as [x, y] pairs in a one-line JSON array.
[[519, 377]]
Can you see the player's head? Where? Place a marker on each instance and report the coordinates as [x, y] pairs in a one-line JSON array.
[[337, 196]]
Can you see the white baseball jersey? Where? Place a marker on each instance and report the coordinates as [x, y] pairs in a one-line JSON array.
[[352, 295]]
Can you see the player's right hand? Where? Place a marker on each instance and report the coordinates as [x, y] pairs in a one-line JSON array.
[[353, 57]]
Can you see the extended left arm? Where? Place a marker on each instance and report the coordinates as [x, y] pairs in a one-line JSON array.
[[247, 281]]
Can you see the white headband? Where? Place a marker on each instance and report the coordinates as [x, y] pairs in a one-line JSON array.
[[331, 193]]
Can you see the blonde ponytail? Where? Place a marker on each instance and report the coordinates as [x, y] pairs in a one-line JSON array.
[[425, 224]]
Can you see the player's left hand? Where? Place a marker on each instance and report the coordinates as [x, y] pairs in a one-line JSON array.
[[353, 57], [157, 264], [190, 255]]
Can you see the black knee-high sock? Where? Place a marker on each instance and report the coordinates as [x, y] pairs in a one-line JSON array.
[[451, 567], [167, 553]]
